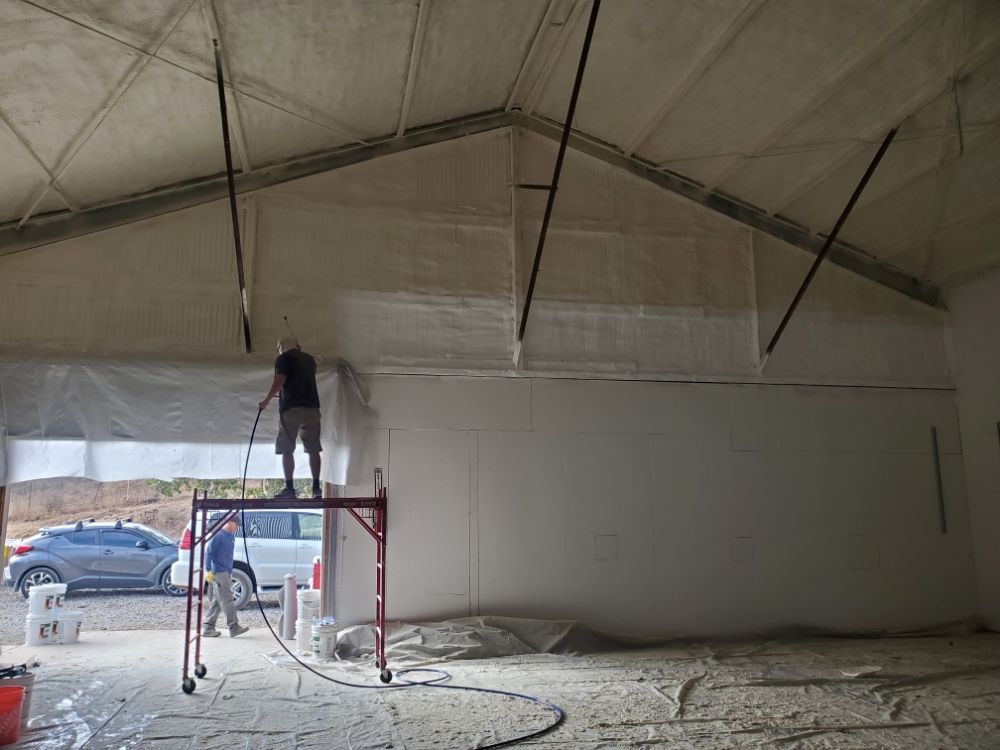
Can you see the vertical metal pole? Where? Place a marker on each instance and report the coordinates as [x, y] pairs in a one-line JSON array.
[[190, 590], [829, 242], [232, 198], [558, 169], [328, 551], [4, 512], [201, 585], [940, 484]]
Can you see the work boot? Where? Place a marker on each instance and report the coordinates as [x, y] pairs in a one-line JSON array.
[[317, 492], [238, 630], [210, 633], [286, 494]]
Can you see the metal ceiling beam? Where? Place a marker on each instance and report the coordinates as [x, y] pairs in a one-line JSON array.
[[541, 79], [411, 73], [821, 255], [46, 230], [530, 55], [652, 119], [841, 78], [840, 253], [88, 130]]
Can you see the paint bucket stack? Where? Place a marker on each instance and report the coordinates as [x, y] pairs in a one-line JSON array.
[[44, 604], [308, 611], [47, 622]]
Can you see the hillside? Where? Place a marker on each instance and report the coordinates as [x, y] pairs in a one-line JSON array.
[[166, 506]]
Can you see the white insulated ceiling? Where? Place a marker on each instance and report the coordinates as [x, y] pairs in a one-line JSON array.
[[779, 104]]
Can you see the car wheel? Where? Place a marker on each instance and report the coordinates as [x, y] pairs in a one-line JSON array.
[[168, 588], [242, 588], [37, 577]]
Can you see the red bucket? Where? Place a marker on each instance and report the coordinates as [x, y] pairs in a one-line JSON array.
[[11, 699]]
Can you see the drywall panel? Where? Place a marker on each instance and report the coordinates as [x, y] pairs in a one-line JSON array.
[[608, 406], [867, 420], [610, 547], [523, 507], [756, 424], [450, 403], [429, 524]]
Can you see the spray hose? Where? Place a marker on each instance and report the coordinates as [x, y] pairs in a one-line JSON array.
[[439, 676]]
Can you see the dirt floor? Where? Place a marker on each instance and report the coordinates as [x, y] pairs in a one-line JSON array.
[[121, 690]]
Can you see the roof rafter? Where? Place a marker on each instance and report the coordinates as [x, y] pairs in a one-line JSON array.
[[411, 74], [652, 118], [46, 230], [841, 254], [529, 56], [541, 78], [211, 15]]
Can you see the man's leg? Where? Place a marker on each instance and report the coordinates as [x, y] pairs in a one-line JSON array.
[[224, 595], [208, 624], [314, 465], [284, 445]]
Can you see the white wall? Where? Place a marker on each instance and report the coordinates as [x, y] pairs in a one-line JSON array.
[[729, 508], [975, 310]]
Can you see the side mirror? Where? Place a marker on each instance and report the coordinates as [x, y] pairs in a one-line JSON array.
[[142, 544]]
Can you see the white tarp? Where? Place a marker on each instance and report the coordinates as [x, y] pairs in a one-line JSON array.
[[112, 420]]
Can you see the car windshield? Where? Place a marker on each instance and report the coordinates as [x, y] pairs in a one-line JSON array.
[[161, 538]]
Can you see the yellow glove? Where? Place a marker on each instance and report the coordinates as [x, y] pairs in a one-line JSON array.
[[209, 576]]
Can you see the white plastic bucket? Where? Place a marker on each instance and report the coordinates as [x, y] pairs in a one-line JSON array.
[[46, 598], [70, 622], [324, 638], [27, 681], [40, 630], [308, 604], [303, 636]]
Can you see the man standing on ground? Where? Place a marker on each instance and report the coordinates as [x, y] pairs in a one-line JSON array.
[[218, 574], [298, 412]]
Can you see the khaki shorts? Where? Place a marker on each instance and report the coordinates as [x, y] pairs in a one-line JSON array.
[[291, 422]]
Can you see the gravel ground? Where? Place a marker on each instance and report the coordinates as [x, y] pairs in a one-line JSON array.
[[123, 609]]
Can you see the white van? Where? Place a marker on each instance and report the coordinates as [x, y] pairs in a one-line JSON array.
[[279, 542]]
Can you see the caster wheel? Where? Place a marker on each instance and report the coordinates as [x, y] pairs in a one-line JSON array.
[[188, 686], [200, 670], [385, 675]]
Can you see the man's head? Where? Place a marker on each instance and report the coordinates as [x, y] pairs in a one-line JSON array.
[[230, 526], [287, 344]]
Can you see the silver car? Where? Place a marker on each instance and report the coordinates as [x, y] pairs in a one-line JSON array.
[[94, 555]]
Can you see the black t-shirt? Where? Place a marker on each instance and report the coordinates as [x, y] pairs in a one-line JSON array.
[[299, 389]]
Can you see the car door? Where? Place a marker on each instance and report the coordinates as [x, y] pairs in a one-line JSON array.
[[271, 542], [308, 546], [125, 564], [76, 555]]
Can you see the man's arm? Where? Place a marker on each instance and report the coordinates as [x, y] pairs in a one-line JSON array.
[[276, 385]]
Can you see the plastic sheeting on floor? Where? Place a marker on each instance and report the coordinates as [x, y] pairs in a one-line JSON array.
[[121, 690]]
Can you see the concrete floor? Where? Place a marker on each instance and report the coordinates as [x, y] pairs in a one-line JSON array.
[[122, 690]]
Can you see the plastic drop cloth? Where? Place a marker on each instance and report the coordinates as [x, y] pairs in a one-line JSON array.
[[112, 420]]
